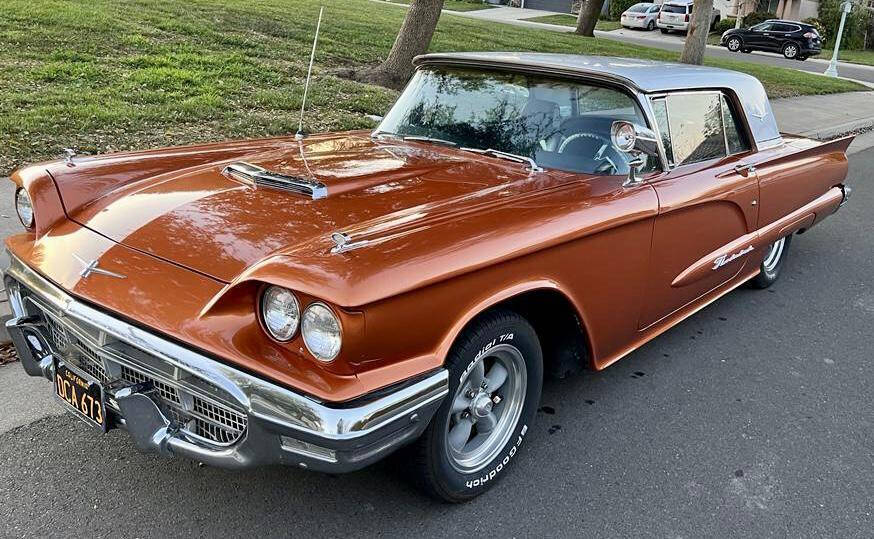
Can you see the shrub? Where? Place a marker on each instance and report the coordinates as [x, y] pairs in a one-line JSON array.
[[618, 6], [724, 25], [756, 17], [816, 23], [854, 28]]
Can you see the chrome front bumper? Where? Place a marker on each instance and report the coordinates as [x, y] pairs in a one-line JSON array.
[[281, 427]]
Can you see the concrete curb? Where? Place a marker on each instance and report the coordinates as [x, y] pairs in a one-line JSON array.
[[834, 131]]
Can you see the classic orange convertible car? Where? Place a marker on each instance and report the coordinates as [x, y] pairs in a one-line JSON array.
[[322, 301]]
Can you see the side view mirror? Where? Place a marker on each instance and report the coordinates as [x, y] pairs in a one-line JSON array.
[[639, 142]]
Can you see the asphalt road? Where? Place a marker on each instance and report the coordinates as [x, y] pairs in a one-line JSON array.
[[675, 43], [752, 418]]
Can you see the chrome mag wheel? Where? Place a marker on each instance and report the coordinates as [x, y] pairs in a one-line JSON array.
[[772, 258], [486, 408]]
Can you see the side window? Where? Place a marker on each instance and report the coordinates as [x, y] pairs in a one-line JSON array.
[[697, 127], [737, 143], [764, 27], [695, 123]]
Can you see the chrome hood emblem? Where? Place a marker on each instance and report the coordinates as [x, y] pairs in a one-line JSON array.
[[91, 267]]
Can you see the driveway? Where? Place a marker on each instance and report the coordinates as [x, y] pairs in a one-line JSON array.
[[753, 418]]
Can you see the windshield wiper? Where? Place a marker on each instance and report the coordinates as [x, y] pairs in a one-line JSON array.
[[381, 134], [534, 167], [418, 138]]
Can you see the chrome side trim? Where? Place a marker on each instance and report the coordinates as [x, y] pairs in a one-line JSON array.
[[261, 399], [261, 176]]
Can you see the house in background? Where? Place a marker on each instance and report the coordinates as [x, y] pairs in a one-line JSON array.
[[795, 10]]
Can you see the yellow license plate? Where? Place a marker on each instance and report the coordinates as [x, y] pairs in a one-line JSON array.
[[84, 396]]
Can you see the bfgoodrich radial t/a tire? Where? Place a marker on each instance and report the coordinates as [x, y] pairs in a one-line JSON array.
[[769, 272], [495, 378]]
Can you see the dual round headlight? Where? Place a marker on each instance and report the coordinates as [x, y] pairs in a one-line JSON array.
[[24, 207], [320, 328]]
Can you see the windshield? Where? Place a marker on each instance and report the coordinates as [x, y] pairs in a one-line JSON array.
[[560, 124], [639, 8]]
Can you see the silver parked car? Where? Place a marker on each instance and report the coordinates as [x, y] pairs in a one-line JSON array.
[[641, 15]]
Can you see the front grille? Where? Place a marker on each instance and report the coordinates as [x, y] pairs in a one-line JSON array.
[[196, 413], [167, 392], [233, 424], [64, 342]]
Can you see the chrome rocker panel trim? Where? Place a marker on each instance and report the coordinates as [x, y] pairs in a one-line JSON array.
[[283, 426]]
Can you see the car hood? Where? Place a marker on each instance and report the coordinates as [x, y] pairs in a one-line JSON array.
[[201, 218]]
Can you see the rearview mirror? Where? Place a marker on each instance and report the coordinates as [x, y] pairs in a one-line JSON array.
[[639, 142]]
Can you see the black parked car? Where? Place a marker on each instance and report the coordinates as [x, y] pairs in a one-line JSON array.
[[795, 40]]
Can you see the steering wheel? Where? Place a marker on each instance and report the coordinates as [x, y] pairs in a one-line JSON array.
[[606, 157]]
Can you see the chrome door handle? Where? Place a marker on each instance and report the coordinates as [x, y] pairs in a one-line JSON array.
[[743, 170]]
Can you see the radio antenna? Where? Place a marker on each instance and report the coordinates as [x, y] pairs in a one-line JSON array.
[[299, 135]]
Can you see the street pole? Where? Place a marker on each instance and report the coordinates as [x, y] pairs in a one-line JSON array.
[[832, 70]]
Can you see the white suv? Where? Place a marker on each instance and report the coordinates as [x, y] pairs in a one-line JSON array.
[[677, 14]]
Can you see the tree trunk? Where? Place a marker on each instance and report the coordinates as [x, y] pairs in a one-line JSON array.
[[588, 17], [696, 40], [413, 39]]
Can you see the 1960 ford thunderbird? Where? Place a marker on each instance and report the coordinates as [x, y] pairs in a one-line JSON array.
[[322, 301]]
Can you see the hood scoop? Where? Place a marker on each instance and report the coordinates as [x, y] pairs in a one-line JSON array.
[[255, 175]]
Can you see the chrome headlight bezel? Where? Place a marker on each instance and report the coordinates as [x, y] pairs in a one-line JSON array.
[[269, 321], [24, 208], [320, 353]]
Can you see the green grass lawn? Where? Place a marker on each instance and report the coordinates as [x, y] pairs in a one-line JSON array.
[[453, 5], [853, 57], [103, 75], [571, 20]]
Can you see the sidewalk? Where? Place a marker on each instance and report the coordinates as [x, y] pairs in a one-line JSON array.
[[825, 116]]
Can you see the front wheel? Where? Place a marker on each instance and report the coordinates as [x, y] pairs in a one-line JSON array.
[[651, 26], [495, 378], [733, 44], [769, 271]]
